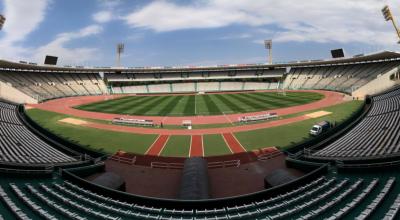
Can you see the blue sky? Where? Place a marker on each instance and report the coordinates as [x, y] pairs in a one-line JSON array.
[[182, 32]]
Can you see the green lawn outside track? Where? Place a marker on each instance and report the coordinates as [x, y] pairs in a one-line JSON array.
[[208, 104], [101, 140]]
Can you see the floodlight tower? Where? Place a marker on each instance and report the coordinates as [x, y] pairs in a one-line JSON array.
[[387, 14], [268, 46], [120, 50], [2, 20]]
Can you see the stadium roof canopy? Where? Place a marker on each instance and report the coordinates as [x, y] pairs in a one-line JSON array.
[[384, 55]]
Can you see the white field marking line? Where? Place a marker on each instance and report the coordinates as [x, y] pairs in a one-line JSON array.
[[238, 142], [190, 148], [227, 143], [151, 146], [195, 105], [159, 153], [227, 118]]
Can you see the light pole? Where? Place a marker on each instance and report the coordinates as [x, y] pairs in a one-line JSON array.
[[268, 46], [2, 20], [387, 14], [120, 50]]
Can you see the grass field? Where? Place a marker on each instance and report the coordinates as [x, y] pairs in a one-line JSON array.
[[109, 141], [209, 104], [178, 146], [214, 144]]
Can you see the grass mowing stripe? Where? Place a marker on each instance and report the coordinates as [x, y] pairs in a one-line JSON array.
[[296, 100], [232, 106], [253, 106], [211, 106], [267, 102], [280, 101], [107, 103], [154, 109], [149, 105], [223, 107], [177, 146], [129, 105], [304, 96], [214, 145], [178, 109], [190, 107], [170, 105], [130, 108]]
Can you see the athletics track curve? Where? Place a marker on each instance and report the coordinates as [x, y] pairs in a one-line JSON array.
[[65, 106]]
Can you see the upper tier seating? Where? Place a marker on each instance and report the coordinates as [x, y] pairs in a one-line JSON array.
[[196, 75], [45, 85], [20, 145], [344, 78], [377, 135], [195, 87]]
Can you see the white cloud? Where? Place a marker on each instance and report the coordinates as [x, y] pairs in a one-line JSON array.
[[23, 17], [312, 20], [102, 16], [67, 55], [235, 36], [108, 11]]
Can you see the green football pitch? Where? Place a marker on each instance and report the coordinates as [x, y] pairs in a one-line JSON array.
[[207, 104]]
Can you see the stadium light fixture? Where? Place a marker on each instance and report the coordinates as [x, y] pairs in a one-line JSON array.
[[120, 50], [387, 14], [268, 46], [2, 20]]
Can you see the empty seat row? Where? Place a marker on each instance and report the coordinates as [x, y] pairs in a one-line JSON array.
[[366, 213], [345, 77], [19, 145], [31, 204], [78, 206], [45, 85], [51, 203], [331, 203], [12, 206], [394, 209], [377, 135]]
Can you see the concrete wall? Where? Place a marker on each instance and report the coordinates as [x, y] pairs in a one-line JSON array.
[[11, 94], [380, 84]]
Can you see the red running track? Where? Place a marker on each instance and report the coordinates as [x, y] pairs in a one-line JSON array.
[[65, 106], [158, 145], [196, 146], [233, 143]]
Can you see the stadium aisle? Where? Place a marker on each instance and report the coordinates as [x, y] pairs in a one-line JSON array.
[[158, 145], [196, 146], [233, 143]]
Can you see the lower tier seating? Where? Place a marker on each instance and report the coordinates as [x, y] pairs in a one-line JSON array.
[[19, 145], [322, 197], [376, 136]]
